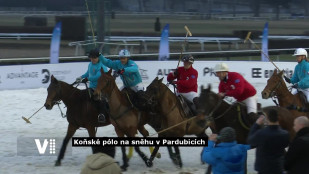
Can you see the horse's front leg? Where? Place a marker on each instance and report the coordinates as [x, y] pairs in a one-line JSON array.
[[145, 133], [153, 155], [91, 132], [123, 150], [70, 132]]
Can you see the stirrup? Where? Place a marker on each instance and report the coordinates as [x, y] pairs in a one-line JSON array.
[[101, 118]]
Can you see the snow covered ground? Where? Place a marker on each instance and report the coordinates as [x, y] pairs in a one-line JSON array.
[[17, 103]]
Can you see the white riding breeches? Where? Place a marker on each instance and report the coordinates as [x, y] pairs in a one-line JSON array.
[[305, 91], [251, 104], [138, 87], [189, 96]]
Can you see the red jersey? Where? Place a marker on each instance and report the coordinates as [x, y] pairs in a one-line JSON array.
[[186, 80], [236, 86]]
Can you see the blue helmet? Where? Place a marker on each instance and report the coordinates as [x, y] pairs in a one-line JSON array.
[[124, 53]]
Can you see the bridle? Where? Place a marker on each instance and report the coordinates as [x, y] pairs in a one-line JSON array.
[[210, 115]]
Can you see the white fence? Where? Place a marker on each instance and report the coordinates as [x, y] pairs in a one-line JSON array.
[[38, 75]]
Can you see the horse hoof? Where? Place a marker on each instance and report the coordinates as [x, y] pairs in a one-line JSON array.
[[58, 163], [149, 163], [158, 155], [124, 168]]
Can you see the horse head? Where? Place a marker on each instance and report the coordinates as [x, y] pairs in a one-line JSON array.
[[273, 83], [208, 102], [53, 93], [104, 86], [154, 91]]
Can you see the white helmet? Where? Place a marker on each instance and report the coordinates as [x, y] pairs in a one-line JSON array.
[[124, 53], [221, 67], [300, 52]]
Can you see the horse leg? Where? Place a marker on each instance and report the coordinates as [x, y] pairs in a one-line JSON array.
[[123, 150], [153, 154], [172, 154], [130, 154], [91, 132], [178, 156], [71, 131], [124, 159], [145, 133], [142, 155]]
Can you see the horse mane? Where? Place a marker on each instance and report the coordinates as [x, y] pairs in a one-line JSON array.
[[81, 94]]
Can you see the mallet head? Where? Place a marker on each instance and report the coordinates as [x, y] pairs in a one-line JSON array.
[[27, 120], [188, 31], [247, 37]]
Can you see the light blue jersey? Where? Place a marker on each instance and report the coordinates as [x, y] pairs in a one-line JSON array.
[[131, 75], [93, 73], [301, 75]]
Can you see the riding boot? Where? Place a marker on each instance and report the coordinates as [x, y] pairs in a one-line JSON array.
[[103, 108], [196, 103], [251, 118]]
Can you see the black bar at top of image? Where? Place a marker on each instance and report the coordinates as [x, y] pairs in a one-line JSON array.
[[137, 141]]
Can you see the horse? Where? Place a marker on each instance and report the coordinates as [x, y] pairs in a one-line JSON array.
[[171, 119], [220, 114], [81, 112], [276, 87], [123, 115]]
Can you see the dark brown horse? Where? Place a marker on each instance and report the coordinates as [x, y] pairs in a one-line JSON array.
[[169, 110], [81, 112], [124, 116], [222, 114], [276, 87]]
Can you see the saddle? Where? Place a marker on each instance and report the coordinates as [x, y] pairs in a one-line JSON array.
[[187, 106], [137, 99], [101, 105], [244, 118]]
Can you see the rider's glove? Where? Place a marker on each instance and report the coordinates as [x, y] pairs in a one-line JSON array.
[[295, 85], [287, 79], [176, 72], [172, 82], [85, 80], [121, 71]]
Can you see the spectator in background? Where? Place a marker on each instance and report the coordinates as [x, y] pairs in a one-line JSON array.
[[270, 143], [101, 161], [297, 157], [227, 156]]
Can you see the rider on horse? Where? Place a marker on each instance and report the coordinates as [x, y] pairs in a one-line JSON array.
[[235, 85], [129, 74], [92, 75], [186, 80], [300, 78]]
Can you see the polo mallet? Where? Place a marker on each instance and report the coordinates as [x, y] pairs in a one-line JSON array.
[[251, 41], [188, 33], [94, 40], [28, 119]]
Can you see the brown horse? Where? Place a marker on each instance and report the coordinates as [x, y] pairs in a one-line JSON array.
[[222, 114], [170, 113], [81, 112], [276, 87], [124, 116]]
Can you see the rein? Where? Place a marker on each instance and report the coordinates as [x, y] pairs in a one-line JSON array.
[[124, 112]]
